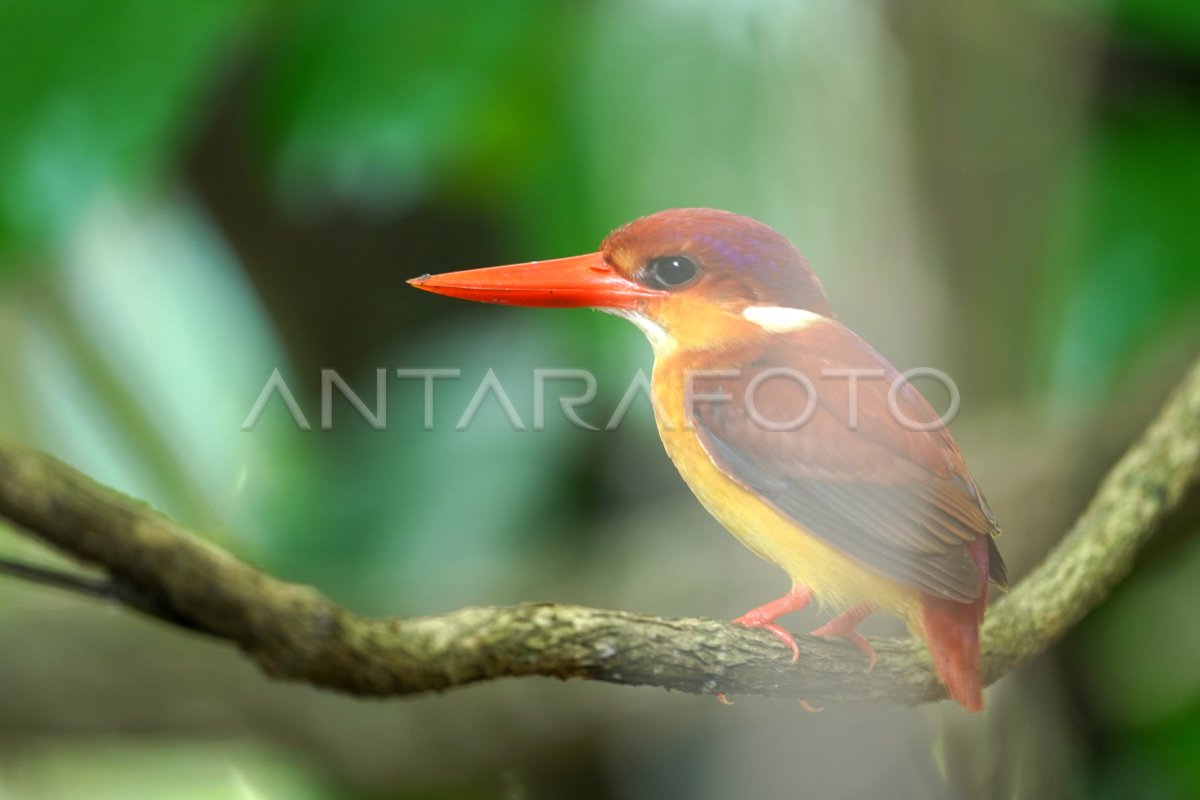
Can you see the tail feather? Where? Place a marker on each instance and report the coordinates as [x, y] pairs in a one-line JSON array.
[[952, 632]]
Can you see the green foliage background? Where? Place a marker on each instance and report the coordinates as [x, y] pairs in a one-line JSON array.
[[194, 194]]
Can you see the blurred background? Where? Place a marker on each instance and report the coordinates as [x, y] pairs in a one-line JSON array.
[[195, 194]]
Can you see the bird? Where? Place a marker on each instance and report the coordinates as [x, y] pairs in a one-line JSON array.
[[798, 436]]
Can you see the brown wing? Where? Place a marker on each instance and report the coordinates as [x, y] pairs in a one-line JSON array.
[[899, 500]]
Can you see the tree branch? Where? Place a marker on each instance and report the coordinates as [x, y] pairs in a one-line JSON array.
[[295, 633]]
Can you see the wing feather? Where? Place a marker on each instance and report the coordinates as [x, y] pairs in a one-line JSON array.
[[897, 499]]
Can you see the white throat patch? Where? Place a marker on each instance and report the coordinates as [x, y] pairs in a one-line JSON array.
[[780, 319], [660, 340]]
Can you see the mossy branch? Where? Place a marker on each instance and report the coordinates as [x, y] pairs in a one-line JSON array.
[[293, 632]]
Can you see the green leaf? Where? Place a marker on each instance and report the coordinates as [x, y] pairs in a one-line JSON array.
[[107, 769], [374, 102], [1122, 263], [95, 96]]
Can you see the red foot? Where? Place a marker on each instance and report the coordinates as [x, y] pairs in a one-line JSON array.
[[765, 615], [842, 627]]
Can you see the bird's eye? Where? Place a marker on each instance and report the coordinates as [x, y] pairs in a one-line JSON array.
[[671, 272]]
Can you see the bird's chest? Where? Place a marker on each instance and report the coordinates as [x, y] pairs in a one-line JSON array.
[[674, 394], [676, 388]]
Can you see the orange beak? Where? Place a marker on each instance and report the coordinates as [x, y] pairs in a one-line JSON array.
[[586, 280]]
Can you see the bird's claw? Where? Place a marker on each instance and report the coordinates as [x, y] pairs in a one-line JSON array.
[[843, 627], [779, 632]]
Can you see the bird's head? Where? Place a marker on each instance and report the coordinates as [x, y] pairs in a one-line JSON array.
[[693, 275]]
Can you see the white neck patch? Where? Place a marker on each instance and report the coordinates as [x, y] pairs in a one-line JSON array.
[[780, 319]]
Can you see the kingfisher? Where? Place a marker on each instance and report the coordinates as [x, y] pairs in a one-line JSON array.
[[792, 431]]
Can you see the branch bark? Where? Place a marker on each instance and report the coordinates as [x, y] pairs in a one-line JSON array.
[[293, 632]]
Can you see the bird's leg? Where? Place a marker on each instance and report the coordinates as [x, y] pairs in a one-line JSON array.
[[765, 615], [843, 626]]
